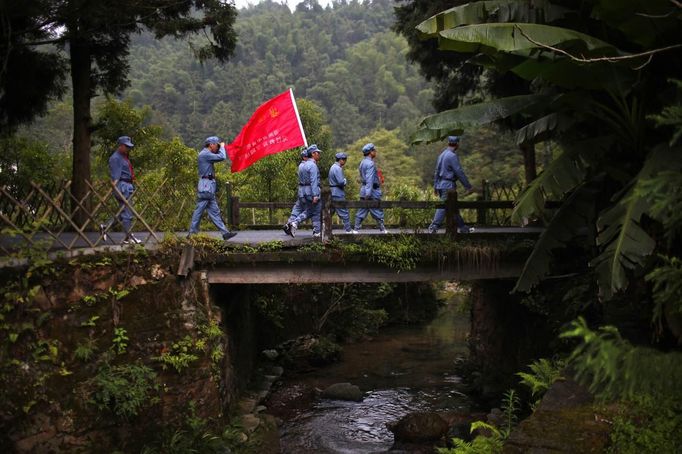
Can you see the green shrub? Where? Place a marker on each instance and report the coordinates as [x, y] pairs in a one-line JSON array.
[[124, 389], [180, 355]]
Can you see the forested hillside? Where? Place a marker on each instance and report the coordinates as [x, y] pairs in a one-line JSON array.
[[344, 57], [347, 68]]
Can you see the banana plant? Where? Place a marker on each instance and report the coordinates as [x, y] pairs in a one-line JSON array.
[[591, 68]]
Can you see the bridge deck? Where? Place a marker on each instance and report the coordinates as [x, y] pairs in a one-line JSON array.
[[251, 237]]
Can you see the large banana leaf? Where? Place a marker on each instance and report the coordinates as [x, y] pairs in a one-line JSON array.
[[425, 135], [625, 245], [562, 175], [576, 212], [570, 74], [528, 11], [437, 126], [509, 37], [542, 128], [642, 21]]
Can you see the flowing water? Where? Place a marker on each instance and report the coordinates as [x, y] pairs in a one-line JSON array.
[[401, 370]]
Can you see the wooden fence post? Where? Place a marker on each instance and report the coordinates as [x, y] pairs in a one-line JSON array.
[[450, 211], [235, 220], [482, 213], [326, 213]]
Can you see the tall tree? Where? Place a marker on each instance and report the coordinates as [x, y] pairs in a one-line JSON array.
[[96, 35], [29, 79]]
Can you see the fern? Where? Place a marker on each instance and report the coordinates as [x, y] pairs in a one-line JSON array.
[[544, 373], [480, 445], [663, 194], [671, 116], [667, 288], [612, 368], [510, 408], [493, 441]]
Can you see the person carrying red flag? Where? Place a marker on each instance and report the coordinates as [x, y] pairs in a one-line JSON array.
[[274, 127]]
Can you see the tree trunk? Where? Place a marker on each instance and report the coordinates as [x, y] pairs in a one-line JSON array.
[[82, 91], [529, 161]]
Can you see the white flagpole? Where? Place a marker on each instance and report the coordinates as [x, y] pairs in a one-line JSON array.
[[298, 117]]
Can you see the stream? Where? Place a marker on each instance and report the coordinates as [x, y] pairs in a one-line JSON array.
[[401, 370]]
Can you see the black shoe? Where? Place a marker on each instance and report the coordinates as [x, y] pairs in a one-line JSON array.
[[287, 229], [228, 235]]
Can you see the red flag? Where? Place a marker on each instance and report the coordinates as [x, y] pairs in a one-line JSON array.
[[275, 126]]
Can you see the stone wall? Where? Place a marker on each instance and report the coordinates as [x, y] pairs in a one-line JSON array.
[[64, 326]]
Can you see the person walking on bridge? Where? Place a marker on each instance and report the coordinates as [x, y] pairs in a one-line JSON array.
[[298, 205], [448, 171], [370, 189], [213, 151], [337, 183], [309, 193], [122, 178]]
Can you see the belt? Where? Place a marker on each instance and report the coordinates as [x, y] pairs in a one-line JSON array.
[[208, 177], [125, 180], [301, 184], [337, 186]]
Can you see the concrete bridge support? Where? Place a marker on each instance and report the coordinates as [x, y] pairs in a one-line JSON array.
[[505, 335]]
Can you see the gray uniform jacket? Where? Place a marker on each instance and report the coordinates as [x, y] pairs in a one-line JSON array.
[[371, 187], [207, 183], [337, 182], [308, 179], [448, 170]]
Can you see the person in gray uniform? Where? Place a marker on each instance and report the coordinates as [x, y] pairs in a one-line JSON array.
[[370, 188], [309, 193], [337, 184], [213, 151], [122, 177], [448, 171], [298, 206]]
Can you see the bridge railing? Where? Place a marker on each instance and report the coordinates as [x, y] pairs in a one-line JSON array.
[[42, 214], [484, 211]]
